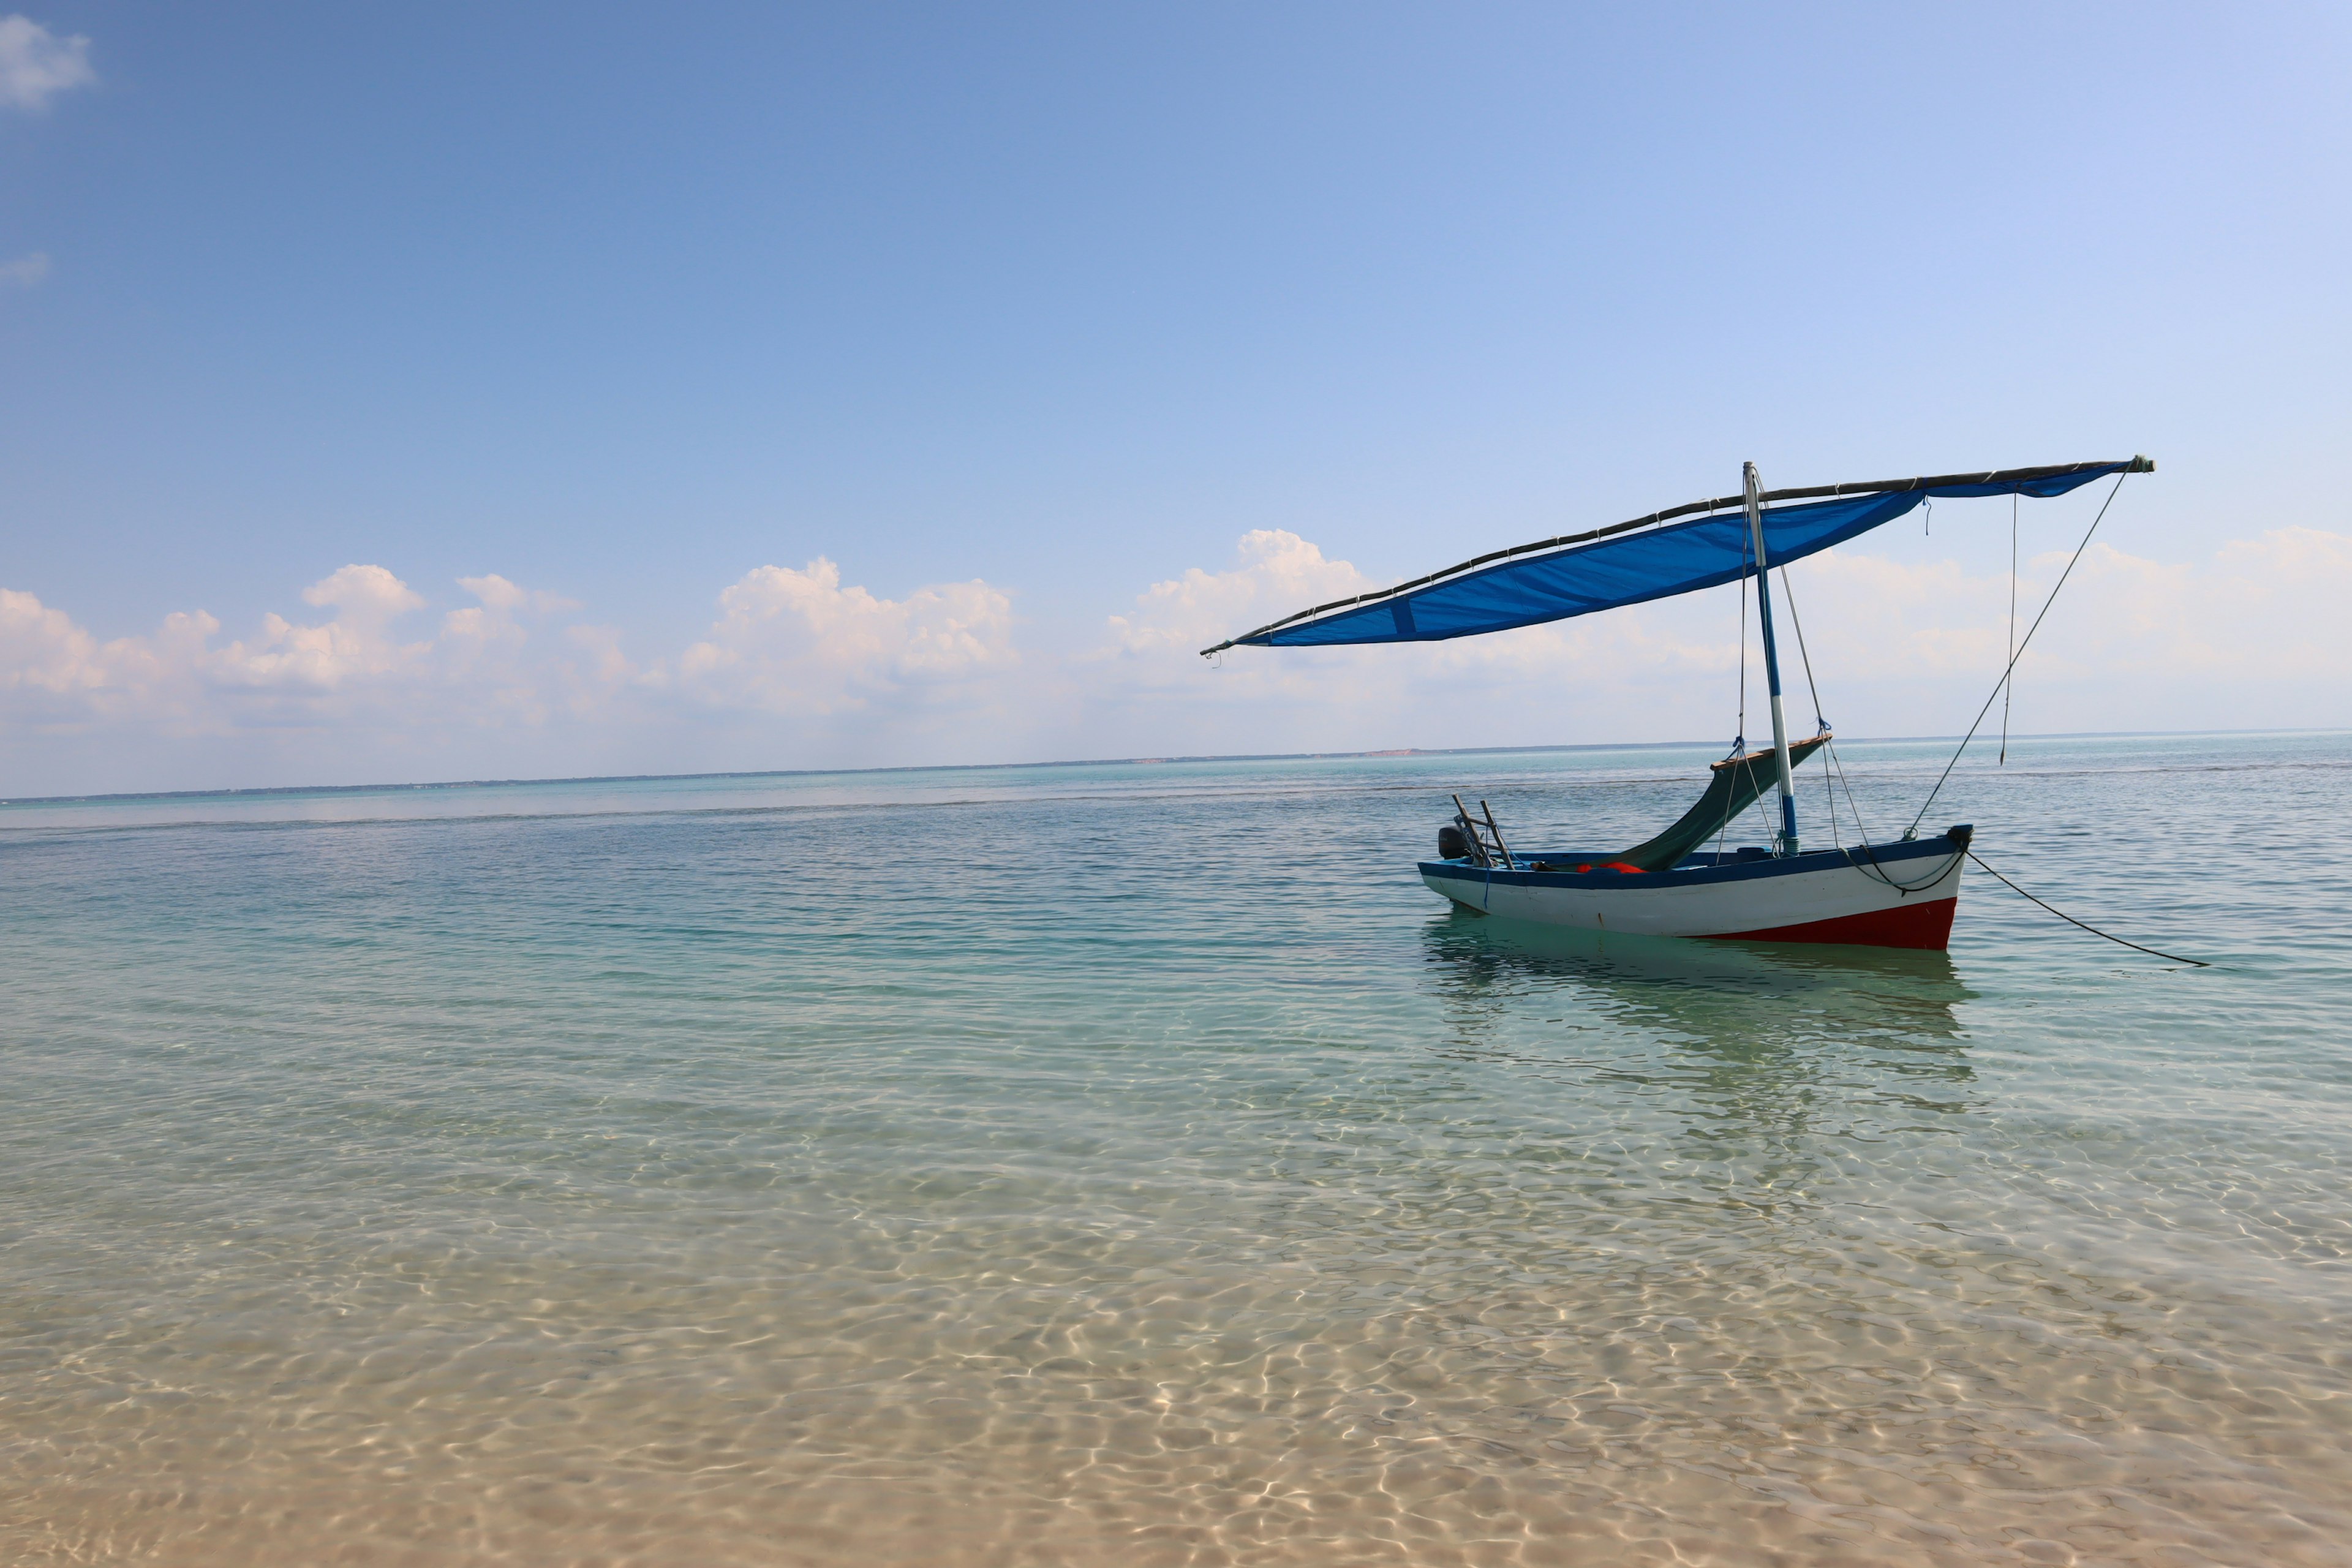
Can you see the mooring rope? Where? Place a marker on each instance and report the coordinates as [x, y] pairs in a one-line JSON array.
[[2070, 919], [2017, 651], [2003, 683]]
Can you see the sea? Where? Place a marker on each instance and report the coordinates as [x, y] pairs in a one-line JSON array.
[[1134, 1163]]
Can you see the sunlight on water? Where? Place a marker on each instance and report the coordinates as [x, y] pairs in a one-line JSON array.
[[1136, 1164]]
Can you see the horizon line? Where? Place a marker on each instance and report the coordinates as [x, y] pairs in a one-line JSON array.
[[1066, 763]]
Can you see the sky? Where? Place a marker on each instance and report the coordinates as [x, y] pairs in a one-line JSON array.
[[407, 392]]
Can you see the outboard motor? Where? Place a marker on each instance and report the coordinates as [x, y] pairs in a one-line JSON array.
[[1453, 844]]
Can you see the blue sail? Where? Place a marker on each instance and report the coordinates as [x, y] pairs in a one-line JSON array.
[[1632, 568]]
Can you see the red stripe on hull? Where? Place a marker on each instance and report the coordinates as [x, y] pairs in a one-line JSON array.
[[1927, 925]]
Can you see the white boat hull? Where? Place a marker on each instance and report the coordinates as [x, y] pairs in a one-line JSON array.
[[1884, 895]]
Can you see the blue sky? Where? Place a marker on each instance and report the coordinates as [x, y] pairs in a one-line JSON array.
[[619, 306]]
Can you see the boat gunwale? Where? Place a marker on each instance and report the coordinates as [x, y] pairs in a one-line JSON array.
[[1860, 857]]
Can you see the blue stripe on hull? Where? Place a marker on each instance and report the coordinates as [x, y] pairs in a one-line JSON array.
[[1887, 855]]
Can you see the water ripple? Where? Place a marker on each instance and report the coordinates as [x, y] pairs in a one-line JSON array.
[[1070, 1166]]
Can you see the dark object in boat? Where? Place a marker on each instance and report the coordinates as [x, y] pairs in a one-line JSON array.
[[1736, 784], [1452, 844]]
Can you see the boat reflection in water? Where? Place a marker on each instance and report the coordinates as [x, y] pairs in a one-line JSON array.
[[1787, 1041]]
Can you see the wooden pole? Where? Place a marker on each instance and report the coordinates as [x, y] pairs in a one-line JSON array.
[[1786, 842]]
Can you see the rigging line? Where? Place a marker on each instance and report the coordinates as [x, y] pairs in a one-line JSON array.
[[1790, 594], [2013, 657], [1820, 723], [2070, 919], [1876, 870], [1836, 762], [1740, 740], [2008, 683], [1854, 808], [1829, 746], [1740, 743], [1862, 834]]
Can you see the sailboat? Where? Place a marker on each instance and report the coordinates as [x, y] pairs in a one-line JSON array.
[[1903, 893]]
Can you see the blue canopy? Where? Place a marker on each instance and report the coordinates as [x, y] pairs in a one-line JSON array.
[[1622, 567]]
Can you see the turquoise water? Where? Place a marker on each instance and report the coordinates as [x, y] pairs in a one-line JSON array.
[[1134, 1163]]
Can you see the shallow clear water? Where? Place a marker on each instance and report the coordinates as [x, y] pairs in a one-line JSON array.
[[1135, 1163]]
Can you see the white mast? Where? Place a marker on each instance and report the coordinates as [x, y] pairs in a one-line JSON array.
[[1786, 842]]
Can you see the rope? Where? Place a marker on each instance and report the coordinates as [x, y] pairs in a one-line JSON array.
[[1821, 725], [1836, 764], [2070, 919], [1738, 740], [1877, 871], [1862, 834], [2017, 651], [1740, 743], [2003, 682]]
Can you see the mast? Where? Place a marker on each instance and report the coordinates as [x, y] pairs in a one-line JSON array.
[[1787, 842]]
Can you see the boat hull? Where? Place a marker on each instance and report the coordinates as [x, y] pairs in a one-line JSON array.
[[1886, 895]]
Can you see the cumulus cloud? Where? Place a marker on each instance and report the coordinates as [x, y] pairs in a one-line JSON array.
[[1275, 573], [54, 672], [500, 597], [1535, 684], [45, 658], [787, 643], [2259, 609], [36, 65], [2246, 636], [803, 669], [798, 642], [357, 644], [25, 272]]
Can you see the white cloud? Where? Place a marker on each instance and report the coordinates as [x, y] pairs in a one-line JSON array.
[[799, 669], [2250, 636], [54, 672], [1536, 684], [799, 643], [2261, 614], [796, 645], [36, 65], [500, 597], [1275, 573], [25, 272], [356, 645]]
